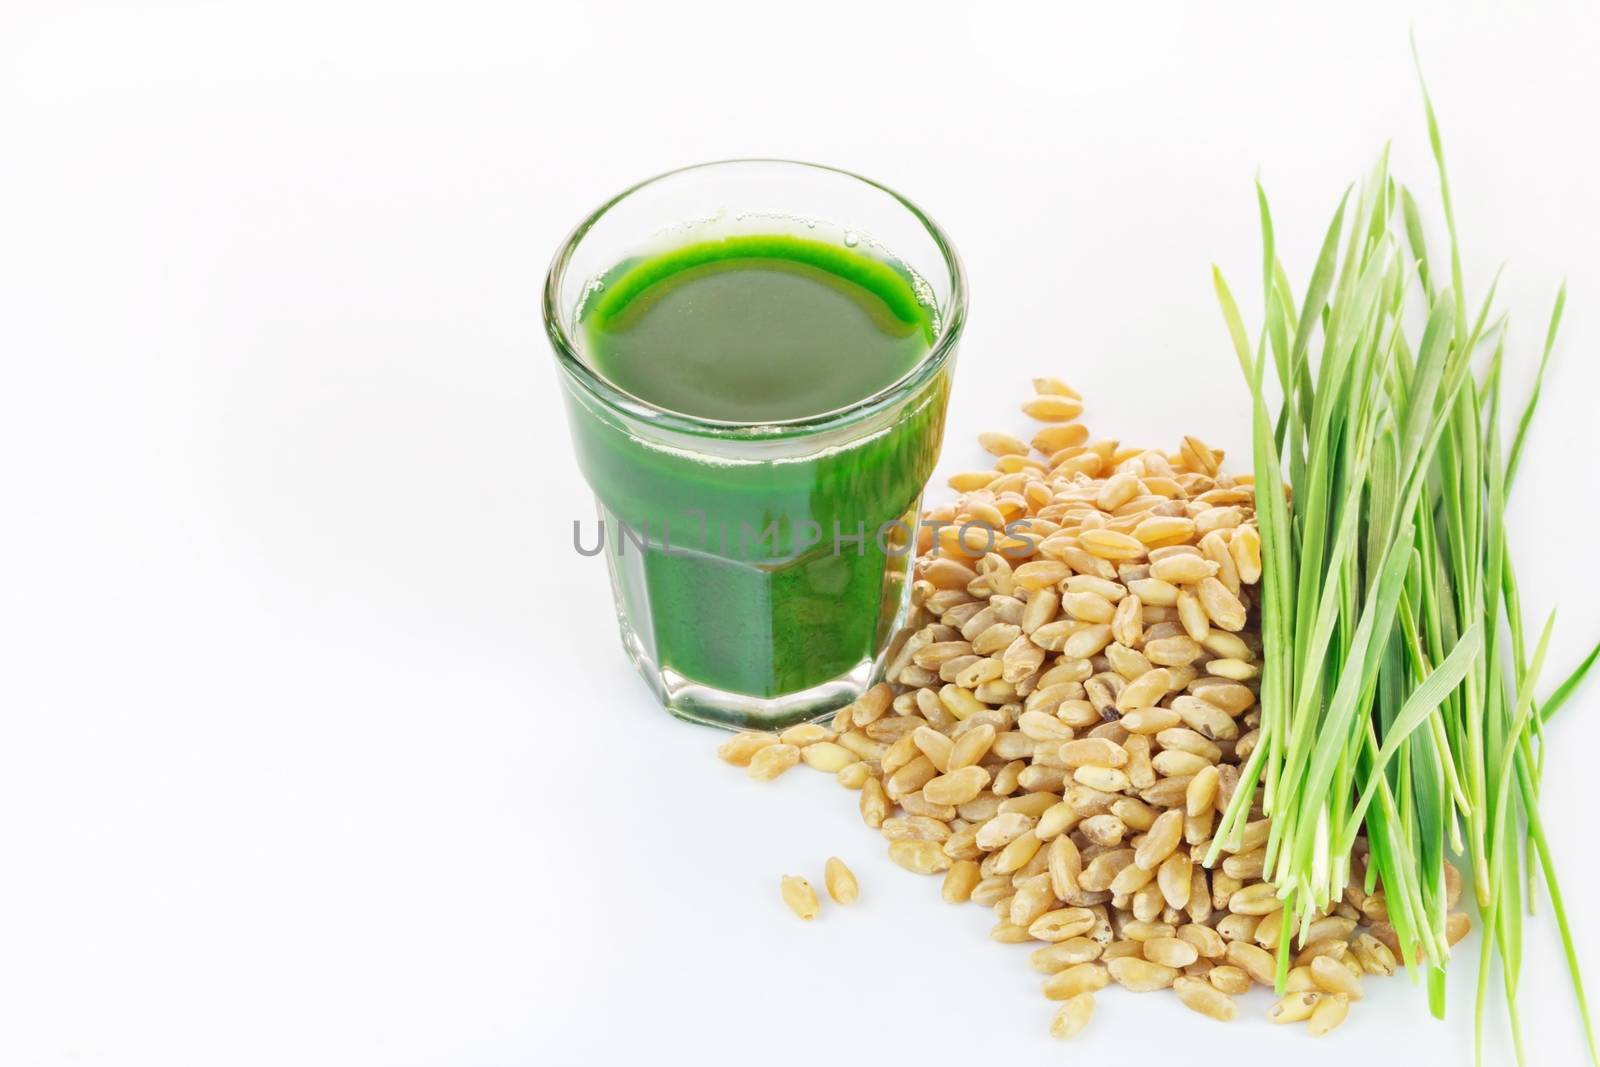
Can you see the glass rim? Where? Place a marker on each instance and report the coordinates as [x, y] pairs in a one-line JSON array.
[[938, 354]]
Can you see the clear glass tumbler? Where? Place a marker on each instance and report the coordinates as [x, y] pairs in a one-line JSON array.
[[759, 569]]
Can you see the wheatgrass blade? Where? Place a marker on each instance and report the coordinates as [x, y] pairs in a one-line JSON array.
[[1563, 692]]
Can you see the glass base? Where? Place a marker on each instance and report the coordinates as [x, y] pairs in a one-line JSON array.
[[750, 647], [695, 702]]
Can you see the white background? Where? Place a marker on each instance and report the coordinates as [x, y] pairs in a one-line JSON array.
[[318, 743]]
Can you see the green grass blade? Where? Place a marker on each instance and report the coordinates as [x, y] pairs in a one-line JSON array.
[[1235, 323], [1422, 703], [1418, 241], [1538, 385], [1437, 143], [1559, 909], [1570, 685]]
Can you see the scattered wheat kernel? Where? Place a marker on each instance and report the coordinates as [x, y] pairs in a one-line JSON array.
[[1057, 957], [1072, 1017], [806, 733], [1333, 976], [1295, 1007], [801, 898], [1053, 407], [1329, 1012], [1229, 979], [771, 761], [1078, 978], [919, 856], [827, 756], [855, 775], [959, 881], [1203, 997], [1140, 975], [840, 881], [1055, 387], [739, 748]]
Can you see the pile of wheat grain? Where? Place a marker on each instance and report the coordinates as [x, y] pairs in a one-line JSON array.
[[1063, 720]]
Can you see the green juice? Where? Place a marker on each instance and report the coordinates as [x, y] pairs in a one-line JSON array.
[[783, 568]]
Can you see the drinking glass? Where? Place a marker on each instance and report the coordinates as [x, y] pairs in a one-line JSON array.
[[758, 569]]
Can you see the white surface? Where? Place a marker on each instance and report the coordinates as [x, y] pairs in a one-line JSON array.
[[319, 746]]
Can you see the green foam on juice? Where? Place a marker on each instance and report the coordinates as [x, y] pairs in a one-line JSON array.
[[756, 329]]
